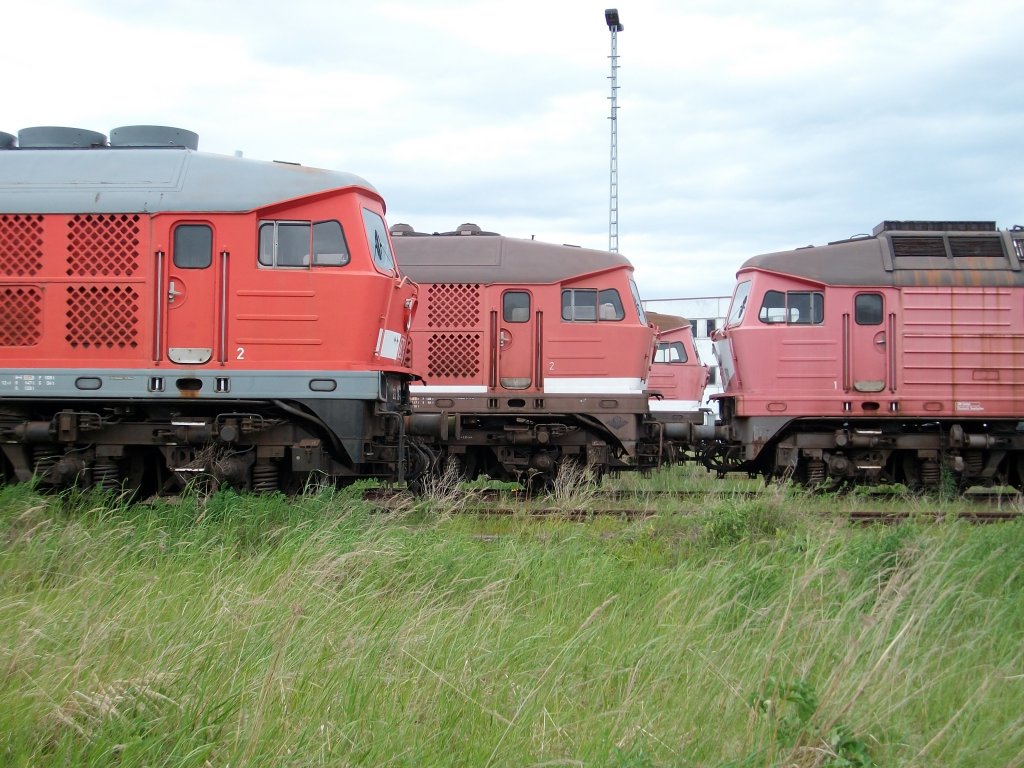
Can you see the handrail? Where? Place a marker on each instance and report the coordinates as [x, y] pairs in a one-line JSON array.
[[158, 321]]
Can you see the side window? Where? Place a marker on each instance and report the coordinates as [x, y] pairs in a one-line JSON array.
[[193, 246], [773, 307], [268, 232], [329, 246], [377, 237], [515, 307], [867, 309], [793, 308], [290, 243], [805, 307], [610, 305], [670, 352], [579, 304], [739, 304]]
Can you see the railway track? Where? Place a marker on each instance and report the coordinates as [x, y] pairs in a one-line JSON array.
[[974, 508]]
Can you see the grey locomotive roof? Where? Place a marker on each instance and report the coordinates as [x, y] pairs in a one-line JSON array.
[[489, 258], [929, 254], [136, 180], [666, 322]]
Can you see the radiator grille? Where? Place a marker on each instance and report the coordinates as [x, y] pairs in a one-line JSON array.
[[21, 309], [102, 316], [453, 356], [918, 246], [103, 245], [21, 245], [453, 305], [977, 247]]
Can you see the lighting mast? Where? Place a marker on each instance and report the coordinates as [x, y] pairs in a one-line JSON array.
[[611, 17]]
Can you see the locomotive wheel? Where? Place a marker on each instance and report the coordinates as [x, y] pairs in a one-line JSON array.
[[539, 484]]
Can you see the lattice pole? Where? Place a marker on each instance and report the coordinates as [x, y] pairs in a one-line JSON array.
[[611, 17]]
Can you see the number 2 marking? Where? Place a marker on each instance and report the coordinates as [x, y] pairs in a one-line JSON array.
[[241, 353], [551, 365]]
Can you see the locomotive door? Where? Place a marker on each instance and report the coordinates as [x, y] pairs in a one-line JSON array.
[[515, 341], [189, 294], [869, 344]]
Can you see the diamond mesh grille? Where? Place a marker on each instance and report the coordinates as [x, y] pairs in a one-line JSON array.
[[453, 306], [21, 245], [103, 245], [102, 316], [21, 309], [453, 356]]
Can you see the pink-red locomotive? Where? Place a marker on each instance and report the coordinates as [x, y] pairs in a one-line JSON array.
[[532, 355], [169, 314], [895, 357], [677, 380]]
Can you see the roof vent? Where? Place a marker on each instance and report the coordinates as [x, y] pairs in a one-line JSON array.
[[55, 136], [153, 136], [934, 226], [469, 229], [401, 230], [6, 140]]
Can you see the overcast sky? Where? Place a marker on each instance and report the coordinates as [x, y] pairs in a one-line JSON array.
[[743, 127]]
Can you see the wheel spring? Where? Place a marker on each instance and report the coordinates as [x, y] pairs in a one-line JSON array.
[[264, 477], [105, 475], [930, 472], [43, 459], [815, 472]]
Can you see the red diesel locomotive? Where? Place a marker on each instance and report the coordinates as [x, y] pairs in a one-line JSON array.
[[894, 357], [677, 380], [532, 355], [171, 314]]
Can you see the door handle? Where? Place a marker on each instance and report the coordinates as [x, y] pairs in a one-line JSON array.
[[171, 292]]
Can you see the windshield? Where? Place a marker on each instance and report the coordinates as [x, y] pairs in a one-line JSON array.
[[739, 304], [636, 300]]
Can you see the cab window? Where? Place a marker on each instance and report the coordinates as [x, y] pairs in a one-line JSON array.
[[670, 352], [589, 305], [792, 307], [290, 243], [739, 304], [636, 301], [377, 237]]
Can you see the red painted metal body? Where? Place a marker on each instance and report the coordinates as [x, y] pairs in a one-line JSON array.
[[677, 380], [170, 314], [531, 353], [882, 358]]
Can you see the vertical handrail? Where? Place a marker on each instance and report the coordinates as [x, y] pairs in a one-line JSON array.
[[158, 320], [222, 355], [493, 373], [892, 352], [847, 363], [539, 352]]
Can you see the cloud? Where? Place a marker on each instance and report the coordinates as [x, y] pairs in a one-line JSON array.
[[742, 129]]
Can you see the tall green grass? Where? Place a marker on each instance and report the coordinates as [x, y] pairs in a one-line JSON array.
[[758, 631]]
